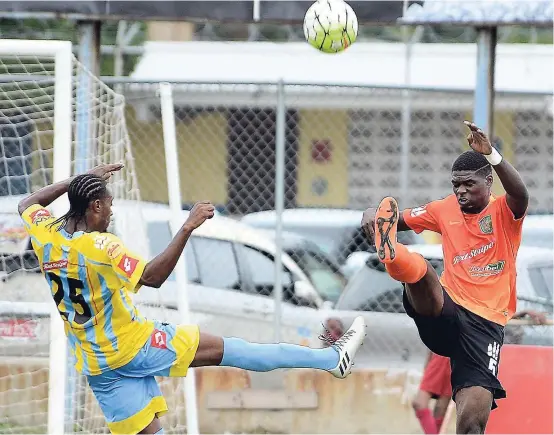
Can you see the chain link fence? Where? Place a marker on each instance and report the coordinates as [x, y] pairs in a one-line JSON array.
[[345, 148]]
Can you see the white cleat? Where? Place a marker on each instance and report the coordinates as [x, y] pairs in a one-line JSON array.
[[347, 346]]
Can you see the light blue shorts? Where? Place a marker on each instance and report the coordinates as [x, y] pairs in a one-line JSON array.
[[129, 396]]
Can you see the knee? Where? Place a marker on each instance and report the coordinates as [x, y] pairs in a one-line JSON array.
[[470, 423], [421, 401], [473, 405], [418, 405]]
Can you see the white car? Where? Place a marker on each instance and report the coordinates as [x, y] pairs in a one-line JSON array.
[[371, 290], [231, 274], [336, 231], [538, 231], [230, 269]]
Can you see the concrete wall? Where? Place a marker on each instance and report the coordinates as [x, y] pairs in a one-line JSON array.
[[376, 401]]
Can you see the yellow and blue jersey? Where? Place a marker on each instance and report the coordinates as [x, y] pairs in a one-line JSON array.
[[90, 276]]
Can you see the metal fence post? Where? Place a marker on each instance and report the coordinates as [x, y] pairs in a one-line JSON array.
[[89, 57], [280, 126], [484, 87], [406, 116]]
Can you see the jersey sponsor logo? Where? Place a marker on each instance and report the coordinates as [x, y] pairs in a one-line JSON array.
[[100, 242], [52, 265], [488, 270], [472, 254], [128, 265], [159, 339], [113, 250], [39, 215], [485, 224], [418, 211]]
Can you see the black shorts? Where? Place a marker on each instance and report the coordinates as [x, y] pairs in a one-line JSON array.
[[471, 342]]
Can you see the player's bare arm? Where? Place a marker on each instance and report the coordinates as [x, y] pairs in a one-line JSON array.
[[159, 268], [517, 195], [48, 194], [442, 315]]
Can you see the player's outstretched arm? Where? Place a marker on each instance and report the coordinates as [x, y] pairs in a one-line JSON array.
[[517, 195], [159, 268], [47, 195]]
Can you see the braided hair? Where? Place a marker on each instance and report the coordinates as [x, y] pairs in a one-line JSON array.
[[82, 190]]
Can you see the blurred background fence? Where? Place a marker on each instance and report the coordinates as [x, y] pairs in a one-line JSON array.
[[345, 146]]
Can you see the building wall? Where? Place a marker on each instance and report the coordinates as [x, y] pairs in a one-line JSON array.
[[202, 151], [344, 158], [323, 158]]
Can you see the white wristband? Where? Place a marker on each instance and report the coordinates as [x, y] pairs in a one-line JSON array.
[[494, 158]]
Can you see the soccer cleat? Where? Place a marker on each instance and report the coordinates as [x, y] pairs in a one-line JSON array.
[[347, 346], [386, 223]]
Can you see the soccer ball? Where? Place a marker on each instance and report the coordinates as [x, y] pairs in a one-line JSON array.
[[330, 26]]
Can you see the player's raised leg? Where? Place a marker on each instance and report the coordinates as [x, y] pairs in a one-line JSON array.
[[423, 288], [260, 357], [173, 349]]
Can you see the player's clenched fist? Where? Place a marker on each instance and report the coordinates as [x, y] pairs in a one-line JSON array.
[[368, 224], [200, 212]]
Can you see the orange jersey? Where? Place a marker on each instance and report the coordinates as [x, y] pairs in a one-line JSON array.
[[479, 253]]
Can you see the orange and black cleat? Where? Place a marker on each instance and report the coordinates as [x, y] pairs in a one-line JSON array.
[[386, 223]]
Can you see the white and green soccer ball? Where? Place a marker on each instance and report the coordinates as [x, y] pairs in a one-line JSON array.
[[330, 26]]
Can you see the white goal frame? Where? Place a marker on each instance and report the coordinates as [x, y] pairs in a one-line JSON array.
[[60, 394], [62, 53], [174, 193]]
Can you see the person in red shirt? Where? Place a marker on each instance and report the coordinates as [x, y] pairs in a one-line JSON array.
[[435, 384], [461, 315]]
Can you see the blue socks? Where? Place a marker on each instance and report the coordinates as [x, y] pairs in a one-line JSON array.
[[258, 357], [160, 432]]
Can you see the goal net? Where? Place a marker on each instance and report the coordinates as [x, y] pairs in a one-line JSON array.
[[56, 118]]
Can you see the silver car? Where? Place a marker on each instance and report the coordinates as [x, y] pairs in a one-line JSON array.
[[371, 290]]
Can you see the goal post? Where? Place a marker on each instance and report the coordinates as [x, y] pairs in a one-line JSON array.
[[49, 102], [57, 119], [174, 191], [61, 52]]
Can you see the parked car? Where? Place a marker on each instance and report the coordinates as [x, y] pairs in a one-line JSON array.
[[324, 273], [230, 268], [336, 231], [538, 231], [373, 290]]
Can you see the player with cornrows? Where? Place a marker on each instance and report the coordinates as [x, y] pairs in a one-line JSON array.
[[91, 274]]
